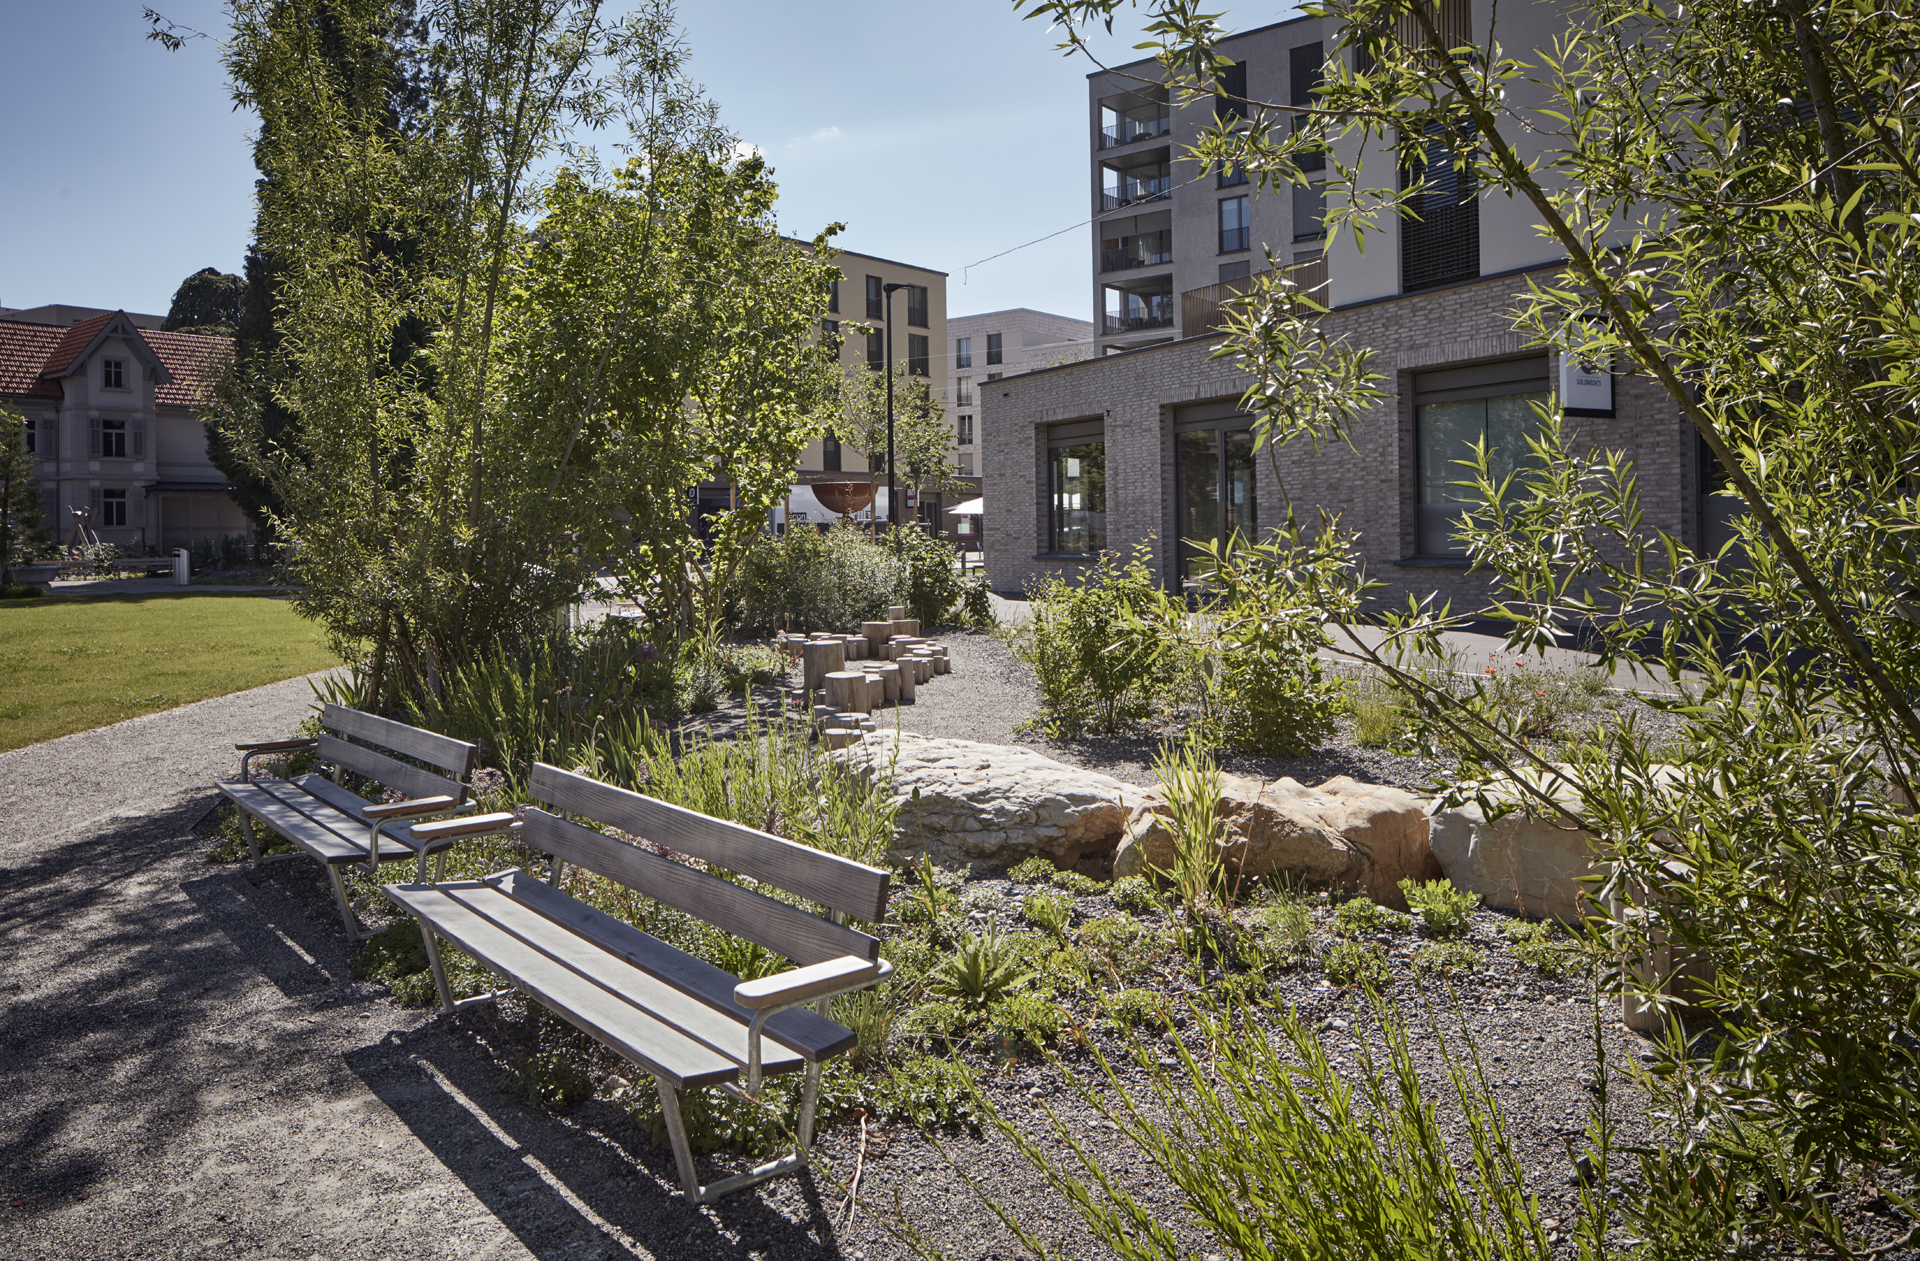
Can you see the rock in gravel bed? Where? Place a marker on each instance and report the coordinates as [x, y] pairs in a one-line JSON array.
[[1364, 838], [987, 806]]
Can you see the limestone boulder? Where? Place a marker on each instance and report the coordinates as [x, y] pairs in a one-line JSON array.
[[988, 806], [1526, 860], [1364, 838]]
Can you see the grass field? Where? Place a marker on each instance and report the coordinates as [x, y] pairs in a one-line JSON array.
[[71, 663]]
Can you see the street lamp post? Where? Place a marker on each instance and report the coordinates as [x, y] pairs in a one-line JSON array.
[[893, 499]]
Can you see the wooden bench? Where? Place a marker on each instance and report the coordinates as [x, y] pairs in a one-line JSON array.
[[683, 1021], [337, 827]]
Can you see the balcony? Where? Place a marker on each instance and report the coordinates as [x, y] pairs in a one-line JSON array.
[[1149, 249], [1128, 130], [1204, 310], [1120, 323], [1131, 192]]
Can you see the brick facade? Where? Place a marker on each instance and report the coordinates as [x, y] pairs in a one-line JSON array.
[[1372, 485]]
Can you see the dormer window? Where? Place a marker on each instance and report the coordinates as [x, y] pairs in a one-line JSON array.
[[113, 374]]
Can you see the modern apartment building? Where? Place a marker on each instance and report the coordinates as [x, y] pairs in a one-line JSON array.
[[1163, 227], [112, 415], [1148, 441], [920, 341], [985, 348]]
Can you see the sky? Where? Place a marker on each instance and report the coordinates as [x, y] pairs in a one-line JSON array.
[[941, 132]]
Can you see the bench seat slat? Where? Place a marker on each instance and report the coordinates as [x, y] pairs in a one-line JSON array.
[[456, 757], [835, 882], [803, 1030], [300, 828], [798, 935], [588, 1005], [493, 898]]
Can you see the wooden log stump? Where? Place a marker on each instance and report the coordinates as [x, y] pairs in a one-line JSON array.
[[889, 675], [819, 658], [823, 712], [856, 646], [896, 611], [908, 680], [846, 690], [876, 692], [877, 634], [839, 738], [943, 664]]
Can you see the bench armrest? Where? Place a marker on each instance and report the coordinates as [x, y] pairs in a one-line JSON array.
[[418, 805], [478, 825], [249, 750], [797, 985]]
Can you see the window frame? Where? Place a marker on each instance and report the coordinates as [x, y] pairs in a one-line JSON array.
[[918, 300], [963, 352], [1223, 420], [876, 351], [876, 298], [1061, 438], [115, 439], [1242, 207], [833, 296], [1515, 378], [996, 349], [112, 498], [919, 355], [113, 374], [963, 429]]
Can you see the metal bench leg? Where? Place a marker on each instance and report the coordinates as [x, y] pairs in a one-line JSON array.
[[677, 1133], [354, 930], [439, 972], [809, 1100], [253, 842]]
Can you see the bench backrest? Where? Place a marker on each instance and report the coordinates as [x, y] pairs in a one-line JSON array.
[[341, 727], [837, 883]]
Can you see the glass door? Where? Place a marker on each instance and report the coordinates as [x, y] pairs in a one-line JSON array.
[[1213, 493]]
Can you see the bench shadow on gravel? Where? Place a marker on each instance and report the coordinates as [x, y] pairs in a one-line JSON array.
[[108, 978], [597, 1152]]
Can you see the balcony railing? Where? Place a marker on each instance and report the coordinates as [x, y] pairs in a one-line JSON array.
[[1203, 310], [1133, 191], [1114, 324], [1128, 257], [1128, 130]]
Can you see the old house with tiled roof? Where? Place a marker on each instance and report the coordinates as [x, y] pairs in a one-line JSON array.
[[113, 415]]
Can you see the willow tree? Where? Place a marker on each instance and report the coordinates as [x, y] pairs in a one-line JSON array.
[[472, 411], [1735, 189]]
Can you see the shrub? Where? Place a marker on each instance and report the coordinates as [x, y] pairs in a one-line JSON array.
[[976, 600], [1128, 947], [1048, 911], [984, 968], [1034, 1017], [1134, 893], [1095, 655], [1190, 781], [1444, 909], [1448, 956], [931, 1091], [1535, 946], [1355, 963], [807, 580], [870, 1015], [934, 1020], [1035, 870], [933, 587], [1284, 934], [744, 666], [1065, 972], [1381, 713], [1130, 1009], [1358, 917], [1073, 882]]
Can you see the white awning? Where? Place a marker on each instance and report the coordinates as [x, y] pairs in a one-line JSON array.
[[971, 508]]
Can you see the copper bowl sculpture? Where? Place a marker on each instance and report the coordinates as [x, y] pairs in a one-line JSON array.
[[845, 498]]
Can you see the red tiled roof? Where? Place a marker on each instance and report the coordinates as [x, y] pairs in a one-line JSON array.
[[32, 356], [77, 339], [196, 362], [24, 349]]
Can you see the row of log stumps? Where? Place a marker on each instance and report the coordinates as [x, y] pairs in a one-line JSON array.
[[847, 677]]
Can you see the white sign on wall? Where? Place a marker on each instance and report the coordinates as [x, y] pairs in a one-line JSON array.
[[1586, 389]]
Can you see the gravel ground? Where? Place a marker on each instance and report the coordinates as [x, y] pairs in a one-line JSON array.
[[188, 1069]]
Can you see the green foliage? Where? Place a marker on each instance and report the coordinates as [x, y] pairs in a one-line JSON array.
[[1284, 933], [397, 958], [1190, 784], [1381, 713], [1048, 911], [1355, 963], [23, 529], [976, 600], [1095, 656], [1446, 911], [1030, 1016], [922, 438], [934, 586], [1135, 1008], [1535, 944], [1338, 1165], [984, 968], [1134, 893], [870, 1014], [1363, 917], [746, 666], [1080, 886], [1065, 972], [940, 1020], [555, 1079], [1034, 870], [1448, 957], [209, 301], [933, 1092], [808, 580]]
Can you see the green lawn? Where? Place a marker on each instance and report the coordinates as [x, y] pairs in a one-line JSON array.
[[71, 663]]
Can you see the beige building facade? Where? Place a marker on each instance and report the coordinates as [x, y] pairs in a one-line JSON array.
[[112, 407], [985, 348]]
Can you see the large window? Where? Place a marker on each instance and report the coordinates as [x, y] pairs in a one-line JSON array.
[[1305, 70], [830, 454], [113, 440], [877, 350], [1442, 245], [965, 433], [1231, 101], [833, 297], [875, 299], [1229, 175], [1235, 230], [917, 306], [113, 508], [993, 349], [1453, 409], [1310, 212], [1077, 487], [963, 353], [918, 359], [963, 392], [1213, 482]]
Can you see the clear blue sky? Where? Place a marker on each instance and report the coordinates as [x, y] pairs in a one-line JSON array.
[[939, 131]]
